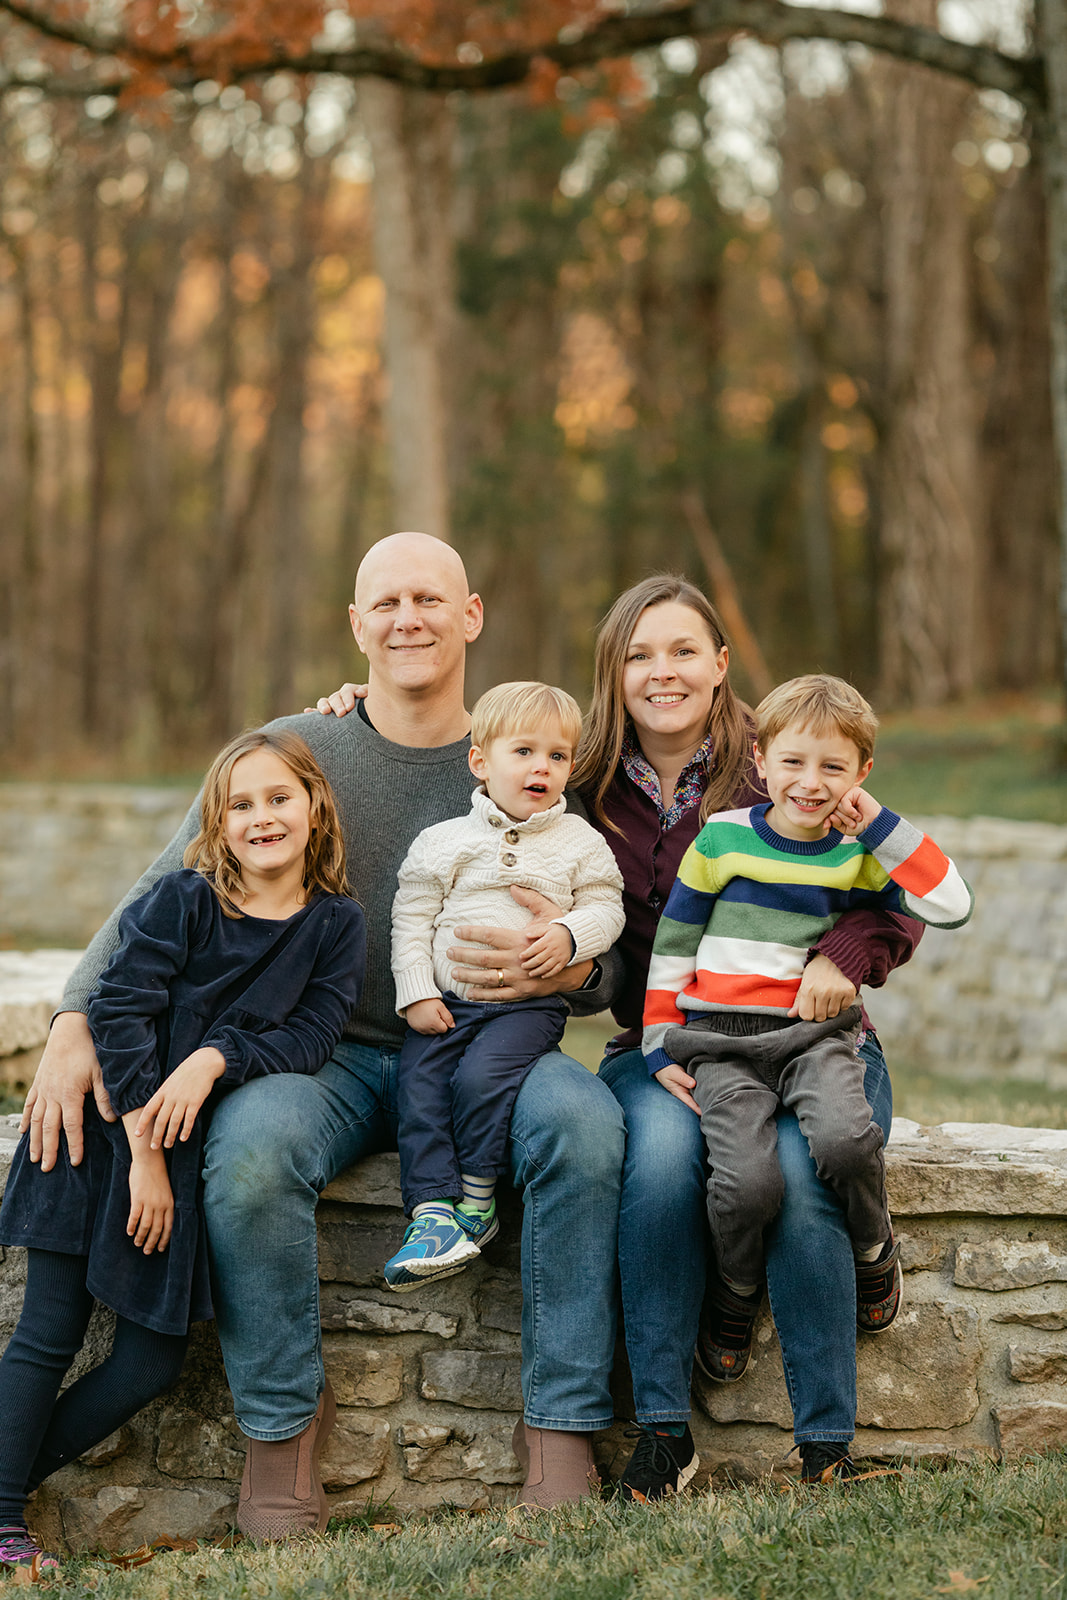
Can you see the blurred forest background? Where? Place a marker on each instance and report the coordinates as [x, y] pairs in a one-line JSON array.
[[776, 318]]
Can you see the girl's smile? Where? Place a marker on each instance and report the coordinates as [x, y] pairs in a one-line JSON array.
[[268, 816]]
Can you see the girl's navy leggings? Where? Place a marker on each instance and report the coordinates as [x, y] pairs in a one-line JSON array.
[[41, 1430]]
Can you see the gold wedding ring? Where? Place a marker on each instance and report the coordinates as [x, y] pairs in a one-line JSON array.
[[500, 977]]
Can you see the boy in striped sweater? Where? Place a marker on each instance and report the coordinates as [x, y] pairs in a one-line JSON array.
[[755, 891]]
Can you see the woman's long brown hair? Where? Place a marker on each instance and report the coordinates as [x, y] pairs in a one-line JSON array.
[[605, 725]]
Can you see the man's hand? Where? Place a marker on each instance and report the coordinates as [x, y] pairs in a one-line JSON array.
[[497, 973], [679, 1083], [341, 702], [824, 992], [429, 1016], [67, 1072], [173, 1107], [151, 1204], [549, 953], [855, 811]]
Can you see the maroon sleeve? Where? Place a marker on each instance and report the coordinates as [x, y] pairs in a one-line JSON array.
[[867, 945]]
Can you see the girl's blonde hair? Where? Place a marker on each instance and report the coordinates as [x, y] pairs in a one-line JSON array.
[[606, 724], [209, 853], [521, 707]]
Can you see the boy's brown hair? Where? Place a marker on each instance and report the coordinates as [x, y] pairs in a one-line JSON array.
[[520, 707], [819, 704], [209, 853]]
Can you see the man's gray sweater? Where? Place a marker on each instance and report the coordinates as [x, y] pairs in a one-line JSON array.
[[386, 793]]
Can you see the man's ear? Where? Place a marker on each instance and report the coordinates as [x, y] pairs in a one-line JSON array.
[[473, 617], [356, 625]]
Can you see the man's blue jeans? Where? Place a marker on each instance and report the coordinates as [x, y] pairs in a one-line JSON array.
[[662, 1255], [274, 1144]]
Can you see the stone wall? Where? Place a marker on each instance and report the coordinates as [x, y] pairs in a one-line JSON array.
[[981, 1001], [428, 1383], [988, 1000], [70, 851]]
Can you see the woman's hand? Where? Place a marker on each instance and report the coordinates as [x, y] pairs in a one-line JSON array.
[[341, 702], [429, 1016], [497, 973], [824, 992], [174, 1105], [680, 1084], [151, 1203]]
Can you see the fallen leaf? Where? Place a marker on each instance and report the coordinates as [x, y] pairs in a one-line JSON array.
[[388, 1528], [543, 1543], [501, 1542], [959, 1583]]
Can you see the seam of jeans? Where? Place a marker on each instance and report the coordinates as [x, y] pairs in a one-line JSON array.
[[567, 1424]]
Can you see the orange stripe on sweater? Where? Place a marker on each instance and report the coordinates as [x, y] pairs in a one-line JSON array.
[[923, 870]]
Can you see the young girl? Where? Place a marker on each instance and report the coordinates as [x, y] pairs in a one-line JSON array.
[[247, 962]]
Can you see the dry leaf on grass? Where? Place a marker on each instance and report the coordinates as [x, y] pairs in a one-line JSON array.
[[388, 1528], [959, 1583], [127, 1559]]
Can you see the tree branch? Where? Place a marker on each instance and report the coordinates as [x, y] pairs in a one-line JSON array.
[[771, 21]]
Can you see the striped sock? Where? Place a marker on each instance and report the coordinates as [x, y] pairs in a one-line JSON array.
[[477, 1192]]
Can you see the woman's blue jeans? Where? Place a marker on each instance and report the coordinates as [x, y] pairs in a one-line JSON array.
[[662, 1255], [275, 1143]]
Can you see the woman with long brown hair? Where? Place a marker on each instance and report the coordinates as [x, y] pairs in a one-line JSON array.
[[666, 744]]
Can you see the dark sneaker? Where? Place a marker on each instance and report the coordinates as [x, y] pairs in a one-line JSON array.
[[724, 1340], [827, 1461], [879, 1290], [661, 1465]]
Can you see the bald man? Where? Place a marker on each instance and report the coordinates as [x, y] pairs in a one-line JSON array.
[[396, 767]]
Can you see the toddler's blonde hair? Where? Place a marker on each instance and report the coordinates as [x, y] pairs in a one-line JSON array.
[[521, 707]]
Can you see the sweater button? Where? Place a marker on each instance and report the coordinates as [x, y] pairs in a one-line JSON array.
[[512, 836], [497, 822], [508, 859]]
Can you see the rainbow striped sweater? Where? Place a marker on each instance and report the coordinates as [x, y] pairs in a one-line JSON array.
[[748, 905]]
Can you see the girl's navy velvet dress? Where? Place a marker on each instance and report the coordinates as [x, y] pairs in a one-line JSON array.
[[271, 996]]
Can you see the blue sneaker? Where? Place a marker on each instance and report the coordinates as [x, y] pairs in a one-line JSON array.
[[434, 1246], [479, 1225]]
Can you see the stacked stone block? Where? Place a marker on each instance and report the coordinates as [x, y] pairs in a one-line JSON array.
[[428, 1384]]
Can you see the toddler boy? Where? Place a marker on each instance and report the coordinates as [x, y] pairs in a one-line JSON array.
[[462, 1062], [754, 893]]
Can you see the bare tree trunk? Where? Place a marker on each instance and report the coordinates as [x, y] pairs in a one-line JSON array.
[[1051, 16], [410, 135], [1019, 478], [931, 535]]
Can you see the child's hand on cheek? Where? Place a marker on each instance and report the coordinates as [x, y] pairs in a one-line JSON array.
[[549, 953], [680, 1084], [429, 1016], [855, 811]]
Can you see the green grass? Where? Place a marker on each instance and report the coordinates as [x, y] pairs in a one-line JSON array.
[[1000, 1532], [999, 758]]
